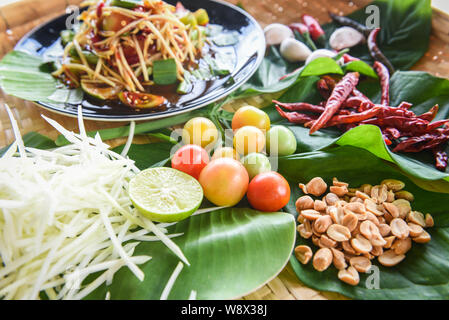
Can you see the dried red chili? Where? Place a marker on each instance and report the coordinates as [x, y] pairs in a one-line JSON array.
[[375, 51], [441, 159], [295, 117], [348, 58], [300, 106], [340, 93], [384, 77], [431, 114]]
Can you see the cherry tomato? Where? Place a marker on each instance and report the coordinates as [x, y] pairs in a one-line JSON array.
[[224, 181], [249, 139], [191, 159], [268, 191], [281, 141], [226, 152], [200, 131], [139, 100], [256, 163], [250, 116]]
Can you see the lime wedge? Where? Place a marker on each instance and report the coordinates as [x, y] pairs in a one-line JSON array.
[[165, 194]]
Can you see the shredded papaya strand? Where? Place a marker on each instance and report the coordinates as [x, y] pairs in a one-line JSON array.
[[89, 71], [129, 84], [141, 59], [128, 69]]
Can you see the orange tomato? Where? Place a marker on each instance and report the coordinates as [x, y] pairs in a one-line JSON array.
[[224, 181]]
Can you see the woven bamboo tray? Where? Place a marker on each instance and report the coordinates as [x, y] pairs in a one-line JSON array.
[[18, 18]]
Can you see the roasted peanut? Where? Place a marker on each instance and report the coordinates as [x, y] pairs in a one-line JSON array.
[[322, 223], [371, 232], [326, 242], [322, 259], [415, 229], [319, 205], [339, 191], [399, 228], [417, 218], [366, 188], [310, 214], [338, 259], [389, 258], [371, 217], [402, 246], [371, 206], [361, 264], [391, 197], [315, 240], [355, 199], [361, 244], [316, 186], [424, 237], [377, 251], [384, 229], [404, 195], [392, 209], [349, 276], [303, 254], [403, 206], [429, 220], [304, 203], [331, 199], [336, 214], [346, 245], [305, 230], [338, 233], [337, 183], [389, 241], [362, 195], [350, 221], [393, 184]]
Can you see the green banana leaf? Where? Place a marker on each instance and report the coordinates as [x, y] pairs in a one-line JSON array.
[[231, 251], [423, 274], [29, 77], [419, 88], [405, 30]]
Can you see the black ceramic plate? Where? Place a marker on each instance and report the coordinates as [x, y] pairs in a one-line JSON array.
[[247, 52]]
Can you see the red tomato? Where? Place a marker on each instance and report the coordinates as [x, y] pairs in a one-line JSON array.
[[268, 191], [190, 159]]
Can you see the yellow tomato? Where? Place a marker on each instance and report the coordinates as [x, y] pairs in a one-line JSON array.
[[224, 181], [250, 116], [226, 152], [249, 139], [200, 131]]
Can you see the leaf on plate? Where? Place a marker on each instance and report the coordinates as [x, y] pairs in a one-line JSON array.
[[148, 155], [405, 30], [424, 274], [28, 77], [231, 251]]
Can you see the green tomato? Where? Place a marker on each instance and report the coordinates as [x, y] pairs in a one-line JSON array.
[[256, 163], [280, 141]]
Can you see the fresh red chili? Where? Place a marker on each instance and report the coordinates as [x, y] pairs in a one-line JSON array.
[[340, 93], [100, 9], [384, 77], [314, 27], [375, 51], [348, 58], [300, 27]]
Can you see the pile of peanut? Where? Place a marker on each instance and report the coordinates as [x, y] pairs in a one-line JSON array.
[[353, 226]]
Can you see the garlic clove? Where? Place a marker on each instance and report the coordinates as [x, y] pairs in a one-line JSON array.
[[275, 33], [345, 37], [320, 53], [294, 50]]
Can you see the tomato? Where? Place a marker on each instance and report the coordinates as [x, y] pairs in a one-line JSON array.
[[268, 191], [224, 181], [256, 163], [191, 159], [281, 141], [226, 152], [200, 131], [138, 100], [114, 21], [250, 116], [249, 139]]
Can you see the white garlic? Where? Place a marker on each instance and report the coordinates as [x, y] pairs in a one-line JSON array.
[[323, 53], [345, 37], [294, 50], [275, 33]]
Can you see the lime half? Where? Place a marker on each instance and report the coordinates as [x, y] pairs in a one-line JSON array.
[[165, 194]]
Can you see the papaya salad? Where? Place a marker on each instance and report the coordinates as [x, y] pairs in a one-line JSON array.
[[127, 50]]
